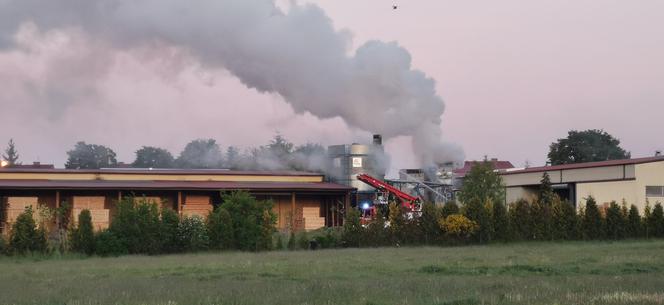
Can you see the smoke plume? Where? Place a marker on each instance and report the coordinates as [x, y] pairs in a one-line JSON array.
[[295, 53]]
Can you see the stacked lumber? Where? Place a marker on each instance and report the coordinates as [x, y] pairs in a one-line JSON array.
[[96, 205], [196, 205], [312, 219], [17, 205]]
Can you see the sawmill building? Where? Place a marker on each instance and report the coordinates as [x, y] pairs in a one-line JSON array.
[[301, 200]]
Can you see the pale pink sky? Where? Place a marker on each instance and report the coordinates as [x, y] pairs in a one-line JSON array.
[[515, 76]]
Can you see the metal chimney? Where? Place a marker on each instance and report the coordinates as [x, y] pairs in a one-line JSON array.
[[377, 139]]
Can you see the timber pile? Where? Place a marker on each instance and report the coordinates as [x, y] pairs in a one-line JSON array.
[[311, 215], [97, 207], [196, 205], [17, 205]]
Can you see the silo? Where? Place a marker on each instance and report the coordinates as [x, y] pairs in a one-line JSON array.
[[349, 160]]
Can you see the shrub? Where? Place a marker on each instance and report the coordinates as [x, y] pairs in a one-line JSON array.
[[458, 227], [82, 237], [376, 234], [327, 237], [124, 225], [107, 244], [397, 224], [303, 240], [192, 234], [592, 223], [540, 218], [291, 241], [147, 216], [647, 214], [500, 222], [634, 226], [656, 221], [168, 232], [564, 221], [252, 220], [25, 237], [220, 229], [353, 230], [280, 242], [615, 223], [429, 227], [520, 222], [476, 211], [450, 208]]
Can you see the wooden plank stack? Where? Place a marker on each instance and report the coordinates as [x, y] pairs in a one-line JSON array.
[[311, 214], [96, 205], [17, 205], [196, 205]]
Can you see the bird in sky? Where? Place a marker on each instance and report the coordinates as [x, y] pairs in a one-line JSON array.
[[394, 6]]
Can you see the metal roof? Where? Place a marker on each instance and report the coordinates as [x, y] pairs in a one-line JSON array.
[[158, 171], [585, 165], [171, 185]]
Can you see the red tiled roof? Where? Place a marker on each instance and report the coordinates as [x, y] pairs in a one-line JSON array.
[[468, 165], [171, 185], [586, 165]]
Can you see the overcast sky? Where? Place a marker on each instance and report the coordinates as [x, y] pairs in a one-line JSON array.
[[514, 75]]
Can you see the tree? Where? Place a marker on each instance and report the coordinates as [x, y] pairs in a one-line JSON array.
[[147, 217], [233, 158], [200, 153], [592, 222], [546, 194], [656, 221], [168, 232], [397, 224], [500, 222], [540, 217], [220, 229], [90, 156], [376, 233], [83, 238], [647, 214], [11, 154], [564, 221], [153, 157], [615, 223], [482, 183], [192, 234], [586, 146], [634, 225], [25, 237]]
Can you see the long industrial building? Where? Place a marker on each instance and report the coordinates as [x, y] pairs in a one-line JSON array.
[[634, 180], [302, 201]]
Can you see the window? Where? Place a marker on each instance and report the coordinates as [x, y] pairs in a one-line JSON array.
[[655, 191]]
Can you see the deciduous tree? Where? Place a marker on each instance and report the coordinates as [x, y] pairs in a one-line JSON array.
[[586, 146]]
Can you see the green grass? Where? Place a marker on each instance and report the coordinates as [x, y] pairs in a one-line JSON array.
[[630, 272]]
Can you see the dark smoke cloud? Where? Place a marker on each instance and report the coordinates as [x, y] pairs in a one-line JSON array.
[[296, 53]]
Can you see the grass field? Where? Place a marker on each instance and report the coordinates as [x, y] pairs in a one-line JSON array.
[[630, 272]]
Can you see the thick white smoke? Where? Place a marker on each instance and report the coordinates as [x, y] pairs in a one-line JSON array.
[[297, 54]]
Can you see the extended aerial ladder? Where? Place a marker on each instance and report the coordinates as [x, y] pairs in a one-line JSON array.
[[411, 203]]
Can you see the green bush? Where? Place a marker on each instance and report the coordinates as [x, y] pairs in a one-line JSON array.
[[634, 225], [147, 216], [592, 223], [520, 222], [253, 220], [458, 227], [82, 237], [647, 215], [564, 221], [327, 237], [656, 221], [192, 234], [291, 242], [376, 234], [125, 227], [220, 229], [168, 232], [25, 237], [303, 240], [615, 223], [280, 242], [353, 230], [450, 208], [107, 244], [540, 218], [477, 212], [431, 232], [500, 222], [397, 224]]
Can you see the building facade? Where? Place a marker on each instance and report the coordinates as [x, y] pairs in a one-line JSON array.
[[633, 180], [302, 201]]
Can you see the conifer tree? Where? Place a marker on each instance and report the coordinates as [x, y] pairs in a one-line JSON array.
[[500, 222], [647, 214], [11, 154], [25, 237], [83, 240], [376, 233], [564, 224], [429, 223], [657, 221], [397, 224], [634, 226], [519, 219], [592, 223], [540, 217], [220, 229], [546, 194], [615, 223], [352, 230]]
